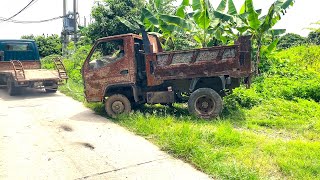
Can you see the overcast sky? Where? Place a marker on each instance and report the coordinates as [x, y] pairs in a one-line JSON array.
[[298, 17]]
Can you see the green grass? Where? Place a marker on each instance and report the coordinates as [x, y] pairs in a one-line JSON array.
[[73, 89], [260, 145], [271, 131]]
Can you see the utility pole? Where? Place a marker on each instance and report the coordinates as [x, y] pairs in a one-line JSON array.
[[64, 32], [75, 21]]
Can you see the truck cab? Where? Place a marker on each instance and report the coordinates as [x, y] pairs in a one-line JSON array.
[[130, 69], [23, 50], [104, 69]]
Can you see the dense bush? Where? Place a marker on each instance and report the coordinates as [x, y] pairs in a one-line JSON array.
[[290, 40], [292, 73], [72, 64], [47, 45], [314, 37]]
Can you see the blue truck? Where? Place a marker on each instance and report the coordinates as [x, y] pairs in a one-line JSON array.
[[20, 67]]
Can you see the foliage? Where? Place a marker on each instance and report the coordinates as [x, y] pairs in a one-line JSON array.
[[72, 64], [47, 62], [105, 21], [289, 40], [47, 45], [314, 37], [154, 18], [293, 73]]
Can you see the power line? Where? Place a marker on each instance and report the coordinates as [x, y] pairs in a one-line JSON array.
[[39, 21], [28, 5]]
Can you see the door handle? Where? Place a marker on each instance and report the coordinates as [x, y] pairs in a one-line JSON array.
[[124, 72]]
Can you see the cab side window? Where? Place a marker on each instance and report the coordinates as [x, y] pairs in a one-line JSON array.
[[106, 53]]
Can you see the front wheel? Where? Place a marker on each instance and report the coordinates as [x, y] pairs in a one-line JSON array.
[[205, 103], [117, 104]]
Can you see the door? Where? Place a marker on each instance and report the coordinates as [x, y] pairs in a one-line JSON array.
[[108, 64]]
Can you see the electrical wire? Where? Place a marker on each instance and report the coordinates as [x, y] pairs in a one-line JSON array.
[[23, 9], [33, 22]]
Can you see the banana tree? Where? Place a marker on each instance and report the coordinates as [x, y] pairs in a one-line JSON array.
[[250, 21], [158, 17], [206, 28]]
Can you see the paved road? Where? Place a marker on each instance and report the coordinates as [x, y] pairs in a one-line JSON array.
[[51, 136]]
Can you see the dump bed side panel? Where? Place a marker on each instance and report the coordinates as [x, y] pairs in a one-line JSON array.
[[234, 61], [197, 63]]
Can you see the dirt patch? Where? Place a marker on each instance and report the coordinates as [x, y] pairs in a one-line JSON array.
[[66, 128], [88, 145]]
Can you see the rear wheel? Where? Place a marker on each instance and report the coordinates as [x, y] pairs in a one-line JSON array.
[[117, 104], [12, 89], [52, 90], [205, 103]]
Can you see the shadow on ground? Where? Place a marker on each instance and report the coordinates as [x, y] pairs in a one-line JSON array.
[[26, 93]]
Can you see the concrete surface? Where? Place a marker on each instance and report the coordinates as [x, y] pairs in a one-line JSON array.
[[51, 136]]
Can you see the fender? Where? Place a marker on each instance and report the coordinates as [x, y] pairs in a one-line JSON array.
[[132, 86], [194, 83]]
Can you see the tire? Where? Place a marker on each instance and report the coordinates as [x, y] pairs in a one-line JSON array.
[[117, 104], [53, 90], [205, 103], [12, 89]]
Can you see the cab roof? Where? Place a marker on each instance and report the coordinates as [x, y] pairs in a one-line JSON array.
[[16, 40]]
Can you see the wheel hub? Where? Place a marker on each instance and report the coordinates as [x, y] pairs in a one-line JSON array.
[[205, 105], [118, 107]]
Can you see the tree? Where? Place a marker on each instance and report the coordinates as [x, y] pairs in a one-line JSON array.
[[47, 45], [289, 40], [250, 21], [314, 37], [105, 21]]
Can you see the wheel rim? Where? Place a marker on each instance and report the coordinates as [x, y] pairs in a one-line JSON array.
[[204, 105], [117, 107]]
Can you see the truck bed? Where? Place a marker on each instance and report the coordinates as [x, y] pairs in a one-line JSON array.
[[234, 61], [35, 74], [32, 72]]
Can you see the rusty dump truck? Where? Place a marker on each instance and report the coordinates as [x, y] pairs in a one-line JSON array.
[[123, 71], [20, 67]]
